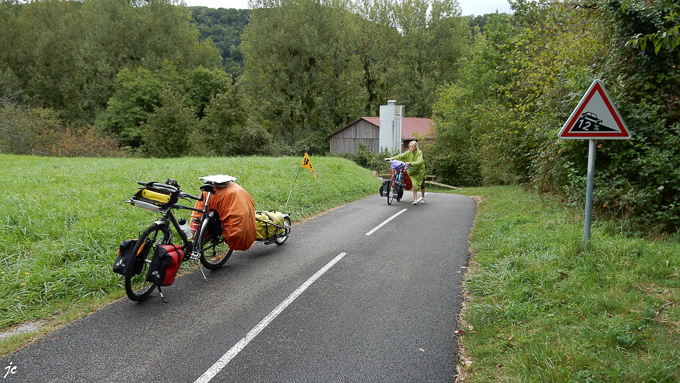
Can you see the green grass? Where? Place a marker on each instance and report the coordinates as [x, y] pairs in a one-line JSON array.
[[541, 308], [62, 219]]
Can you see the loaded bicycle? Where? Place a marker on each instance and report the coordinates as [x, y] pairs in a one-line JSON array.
[[152, 260], [396, 184]]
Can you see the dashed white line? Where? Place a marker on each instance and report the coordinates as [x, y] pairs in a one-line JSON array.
[[231, 354], [385, 222]]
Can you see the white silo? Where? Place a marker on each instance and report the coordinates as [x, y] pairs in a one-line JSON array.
[[390, 126]]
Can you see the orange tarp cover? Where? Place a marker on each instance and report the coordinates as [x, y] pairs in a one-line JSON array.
[[237, 212]]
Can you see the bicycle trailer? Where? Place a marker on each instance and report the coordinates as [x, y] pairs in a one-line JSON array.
[[269, 224]]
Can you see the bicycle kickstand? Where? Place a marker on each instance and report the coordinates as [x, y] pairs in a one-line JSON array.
[[162, 296], [201, 268]]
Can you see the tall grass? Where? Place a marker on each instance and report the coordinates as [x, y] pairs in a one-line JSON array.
[[542, 308], [62, 219]]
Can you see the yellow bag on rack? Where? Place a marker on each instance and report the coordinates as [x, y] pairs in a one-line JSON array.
[[266, 222]]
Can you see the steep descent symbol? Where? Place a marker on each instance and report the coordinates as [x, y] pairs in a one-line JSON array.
[[595, 117], [588, 122]]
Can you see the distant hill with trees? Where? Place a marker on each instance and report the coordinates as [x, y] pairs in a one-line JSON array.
[[224, 26]]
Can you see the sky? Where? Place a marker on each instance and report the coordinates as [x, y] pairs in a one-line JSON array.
[[470, 7]]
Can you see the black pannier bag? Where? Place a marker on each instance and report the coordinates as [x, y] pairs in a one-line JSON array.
[[384, 188], [165, 264], [398, 190], [126, 257]]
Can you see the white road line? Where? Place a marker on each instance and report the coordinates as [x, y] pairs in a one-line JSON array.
[[385, 222], [231, 354]]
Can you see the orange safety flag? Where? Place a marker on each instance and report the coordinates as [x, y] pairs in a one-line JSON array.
[[307, 163]]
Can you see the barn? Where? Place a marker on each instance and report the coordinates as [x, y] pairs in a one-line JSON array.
[[367, 130]]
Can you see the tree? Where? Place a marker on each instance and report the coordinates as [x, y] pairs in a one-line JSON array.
[[525, 82], [137, 95], [22, 128], [42, 52], [301, 69], [168, 130], [434, 37], [202, 85], [66, 54], [224, 27], [223, 125], [377, 49]]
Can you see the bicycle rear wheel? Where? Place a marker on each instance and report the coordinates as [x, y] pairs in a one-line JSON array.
[[210, 243], [136, 285]]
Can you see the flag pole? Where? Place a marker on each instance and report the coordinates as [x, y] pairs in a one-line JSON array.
[[291, 189]]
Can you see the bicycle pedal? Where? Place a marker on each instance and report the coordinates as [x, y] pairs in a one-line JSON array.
[[195, 256]]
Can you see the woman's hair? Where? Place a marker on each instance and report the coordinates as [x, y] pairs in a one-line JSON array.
[[413, 143]]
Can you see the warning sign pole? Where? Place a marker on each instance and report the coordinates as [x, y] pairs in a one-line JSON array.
[[589, 191], [595, 118]]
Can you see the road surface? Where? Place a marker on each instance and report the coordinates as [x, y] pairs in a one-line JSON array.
[[363, 293]]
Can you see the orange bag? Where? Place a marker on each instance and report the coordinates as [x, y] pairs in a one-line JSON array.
[[407, 180], [237, 213]]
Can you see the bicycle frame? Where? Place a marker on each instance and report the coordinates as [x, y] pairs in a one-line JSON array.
[[169, 218]]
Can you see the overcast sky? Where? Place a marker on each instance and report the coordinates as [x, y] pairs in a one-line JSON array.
[[470, 7]]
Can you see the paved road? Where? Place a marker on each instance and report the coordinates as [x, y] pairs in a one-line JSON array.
[[331, 305]]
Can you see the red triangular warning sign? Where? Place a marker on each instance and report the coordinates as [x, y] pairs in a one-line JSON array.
[[595, 117]]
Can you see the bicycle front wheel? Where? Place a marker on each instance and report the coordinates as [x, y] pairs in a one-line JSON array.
[[136, 285], [390, 192], [214, 251]]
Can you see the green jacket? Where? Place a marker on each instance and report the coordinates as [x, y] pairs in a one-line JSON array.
[[417, 170]]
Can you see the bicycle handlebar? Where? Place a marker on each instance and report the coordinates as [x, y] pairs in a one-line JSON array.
[[182, 195], [160, 185]]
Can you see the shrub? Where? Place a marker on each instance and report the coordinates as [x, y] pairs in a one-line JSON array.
[[167, 132], [369, 160], [23, 129], [84, 142]]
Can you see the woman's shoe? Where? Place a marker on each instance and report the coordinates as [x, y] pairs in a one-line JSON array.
[[422, 200], [415, 202]]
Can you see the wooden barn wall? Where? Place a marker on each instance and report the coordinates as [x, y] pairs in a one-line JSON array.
[[347, 140]]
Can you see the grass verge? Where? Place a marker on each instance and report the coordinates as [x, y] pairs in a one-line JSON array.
[[542, 308], [63, 218]]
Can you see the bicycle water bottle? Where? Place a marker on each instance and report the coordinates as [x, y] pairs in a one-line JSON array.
[[185, 227]]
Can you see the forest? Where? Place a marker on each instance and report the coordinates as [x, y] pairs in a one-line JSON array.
[[122, 78]]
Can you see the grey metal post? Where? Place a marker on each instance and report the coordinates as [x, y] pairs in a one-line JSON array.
[[589, 191]]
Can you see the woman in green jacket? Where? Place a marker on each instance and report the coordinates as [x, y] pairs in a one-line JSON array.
[[414, 157]]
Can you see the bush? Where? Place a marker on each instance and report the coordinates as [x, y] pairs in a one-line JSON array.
[[23, 129], [85, 142], [167, 132], [369, 160], [222, 128], [255, 140]]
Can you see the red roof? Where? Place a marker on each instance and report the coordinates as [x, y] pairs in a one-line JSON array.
[[409, 125]]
